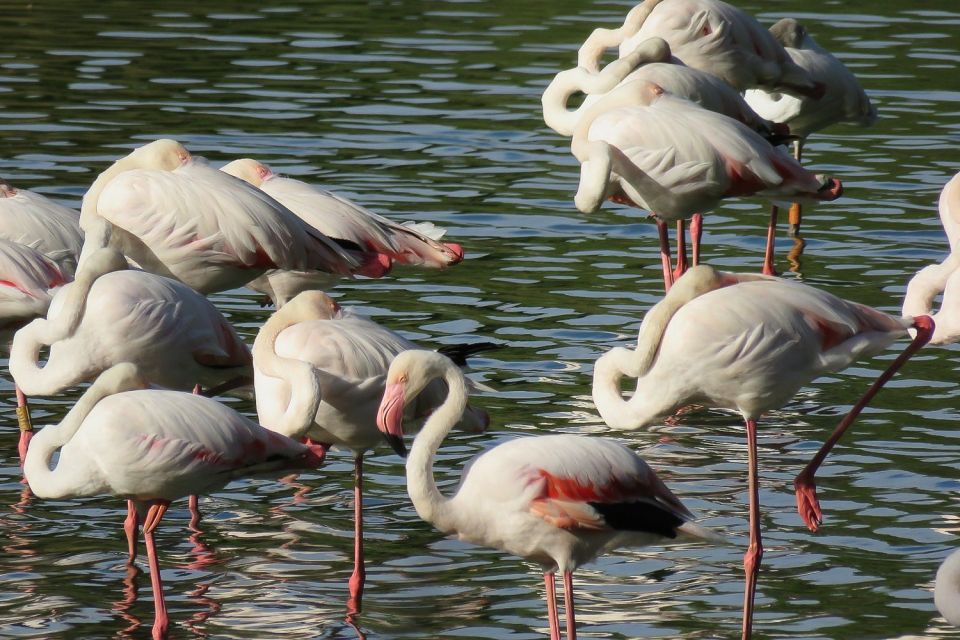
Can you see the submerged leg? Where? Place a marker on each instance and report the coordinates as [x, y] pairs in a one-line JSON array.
[[804, 484], [768, 268], [161, 624], [754, 554], [796, 214], [696, 234], [665, 255], [130, 525], [681, 251], [26, 425], [359, 572], [549, 581], [568, 605]]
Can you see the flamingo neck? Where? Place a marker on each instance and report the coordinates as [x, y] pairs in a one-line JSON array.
[[88, 209], [922, 290], [647, 403], [431, 505], [946, 592], [299, 376]]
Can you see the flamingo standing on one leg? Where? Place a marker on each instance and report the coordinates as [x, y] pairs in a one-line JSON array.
[[746, 342], [154, 447], [558, 500], [29, 218], [350, 355], [643, 146], [386, 241], [178, 217]]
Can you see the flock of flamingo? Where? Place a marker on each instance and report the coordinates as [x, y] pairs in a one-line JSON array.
[[115, 296]]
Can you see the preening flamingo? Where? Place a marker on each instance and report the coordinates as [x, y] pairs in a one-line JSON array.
[[381, 240], [642, 146], [709, 35], [746, 342], [843, 99], [153, 447], [178, 217], [558, 500], [946, 592], [52, 229], [350, 355]]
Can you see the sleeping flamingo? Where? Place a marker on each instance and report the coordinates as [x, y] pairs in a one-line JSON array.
[[385, 241], [178, 217], [946, 592], [642, 146], [709, 35], [350, 355], [843, 99], [29, 218], [558, 500], [154, 447], [746, 342]]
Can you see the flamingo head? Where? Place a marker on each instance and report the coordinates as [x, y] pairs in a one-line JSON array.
[[162, 154], [312, 305], [789, 32], [409, 373], [249, 170]]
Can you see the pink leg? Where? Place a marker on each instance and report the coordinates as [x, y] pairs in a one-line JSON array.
[[665, 255], [26, 426], [359, 572], [161, 623], [696, 234], [751, 559], [194, 505], [804, 484], [568, 605], [130, 525], [549, 580], [681, 251], [768, 268]]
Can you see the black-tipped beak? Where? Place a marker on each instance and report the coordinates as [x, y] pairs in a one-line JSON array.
[[396, 443]]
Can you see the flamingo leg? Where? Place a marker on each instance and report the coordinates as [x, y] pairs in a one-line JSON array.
[[194, 505], [568, 605], [223, 387], [796, 214], [359, 572], [696, 234], [768, 268], [549, 581], [681, 251], [130, 525], [161, 623], [804, 484], [26, 425], [665, 255], [754, 554]]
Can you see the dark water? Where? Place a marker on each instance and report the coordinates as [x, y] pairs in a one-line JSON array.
[[430, 111]]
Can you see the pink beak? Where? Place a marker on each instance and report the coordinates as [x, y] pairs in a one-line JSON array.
[[390, 417]]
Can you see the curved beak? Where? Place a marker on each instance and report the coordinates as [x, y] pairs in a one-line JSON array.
[[390, 417]]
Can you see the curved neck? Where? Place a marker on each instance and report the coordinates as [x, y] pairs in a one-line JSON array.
[[88, 208], [924, 287], [643, 408], [430, 504], [54, 377], [57, 483], [300, 376], [600, 40]]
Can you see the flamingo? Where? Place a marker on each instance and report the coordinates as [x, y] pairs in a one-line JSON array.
[[29, 218], [843, 99], [643, 146], [178, 217], [944, 277], [558, 500], [746, 342], [345, 221], [153, 447], [946, 592], [709, 35], [350, 355]]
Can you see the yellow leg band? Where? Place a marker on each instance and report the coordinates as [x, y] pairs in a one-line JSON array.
[[23, 419]]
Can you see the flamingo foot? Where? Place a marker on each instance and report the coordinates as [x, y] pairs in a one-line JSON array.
[[807, 503]]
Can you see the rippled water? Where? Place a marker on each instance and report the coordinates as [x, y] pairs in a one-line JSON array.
[[430, 111]]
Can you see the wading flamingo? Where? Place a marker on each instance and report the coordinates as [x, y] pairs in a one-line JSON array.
[[642, 146], [709, 35], [178, 217], [40, 223], [746, 342], [350, 355], [843, 100], [153, 447], [946, 592], [381, 239], [557, 500], [174, 335]]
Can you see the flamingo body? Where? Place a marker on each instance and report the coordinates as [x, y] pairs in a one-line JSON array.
[[27, 283], [946, 591], [34, 220]]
